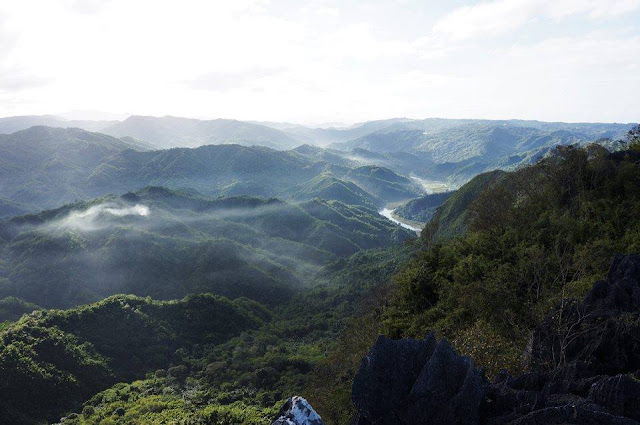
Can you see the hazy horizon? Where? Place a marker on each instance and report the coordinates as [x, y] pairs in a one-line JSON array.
[[323, 61], [112, 116]]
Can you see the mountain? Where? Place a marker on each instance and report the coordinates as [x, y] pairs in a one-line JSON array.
[[422, 209], [529, 291], [168, 132], [326, 136], [384, 183], [169, 244], [451, 218], [456, 150], [513, 275], [44, 166], [10, 125], [327, 186], [48, 167]]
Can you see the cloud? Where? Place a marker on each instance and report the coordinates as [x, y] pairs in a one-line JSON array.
[[96, 217], [502, 16], [223, 81]]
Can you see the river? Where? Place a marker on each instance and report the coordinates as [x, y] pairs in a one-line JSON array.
[[387, 213]]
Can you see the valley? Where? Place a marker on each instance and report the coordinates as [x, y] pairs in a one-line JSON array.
[[319, 212], [388, 214], [261, 273]]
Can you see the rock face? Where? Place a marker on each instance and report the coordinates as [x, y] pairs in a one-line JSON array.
[[417, 382], [584, 369], [297, 411]]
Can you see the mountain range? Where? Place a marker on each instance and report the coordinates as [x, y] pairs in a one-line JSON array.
[[46, 167]]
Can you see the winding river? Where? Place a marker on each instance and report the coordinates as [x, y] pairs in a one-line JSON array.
[[388, 214]]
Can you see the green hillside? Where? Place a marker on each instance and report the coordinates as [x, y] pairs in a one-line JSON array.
[[63, 357], [168, 244], [422, 209], [510, 248]]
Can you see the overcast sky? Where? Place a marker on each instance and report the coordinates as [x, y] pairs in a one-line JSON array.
[[322, 60]]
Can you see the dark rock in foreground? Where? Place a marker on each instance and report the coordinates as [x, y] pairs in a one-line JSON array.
[[417, 382], [584, 369]]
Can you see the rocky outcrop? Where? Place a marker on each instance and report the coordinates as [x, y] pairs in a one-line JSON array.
[[584, 369], [409, 381], [297, 411]]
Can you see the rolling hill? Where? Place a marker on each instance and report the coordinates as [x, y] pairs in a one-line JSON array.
[[168, 244], [45, 167]]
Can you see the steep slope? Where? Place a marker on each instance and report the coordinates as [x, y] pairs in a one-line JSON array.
[[168, 132], [506, 292], [422, 209], [451, 218]]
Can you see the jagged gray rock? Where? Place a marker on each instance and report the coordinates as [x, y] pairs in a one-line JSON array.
[[409, 381]]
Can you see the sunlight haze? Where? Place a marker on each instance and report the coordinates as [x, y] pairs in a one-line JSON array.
[[318, 61]]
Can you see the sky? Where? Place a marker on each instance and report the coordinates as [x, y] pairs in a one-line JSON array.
[[322, 61]]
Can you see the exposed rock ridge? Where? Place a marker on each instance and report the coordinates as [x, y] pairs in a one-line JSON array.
[[409, 381], [584, 369]]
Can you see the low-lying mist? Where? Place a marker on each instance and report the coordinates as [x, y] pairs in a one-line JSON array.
[[96, 217], [168, 245]]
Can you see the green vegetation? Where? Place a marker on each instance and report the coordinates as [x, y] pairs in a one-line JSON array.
[[327, 186], [60, 358], [301, 289], [384, 183], [423, 208], [457, 150], [524, 241], [12, 308], [169, 244], [451, 219], [200, 360], [44, 167]]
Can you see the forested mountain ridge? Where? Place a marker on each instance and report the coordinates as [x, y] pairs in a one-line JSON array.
[[457, 150], [46, 167], [42, 166], [532, 241], [64, 357], [169, 244], [452, 151]]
